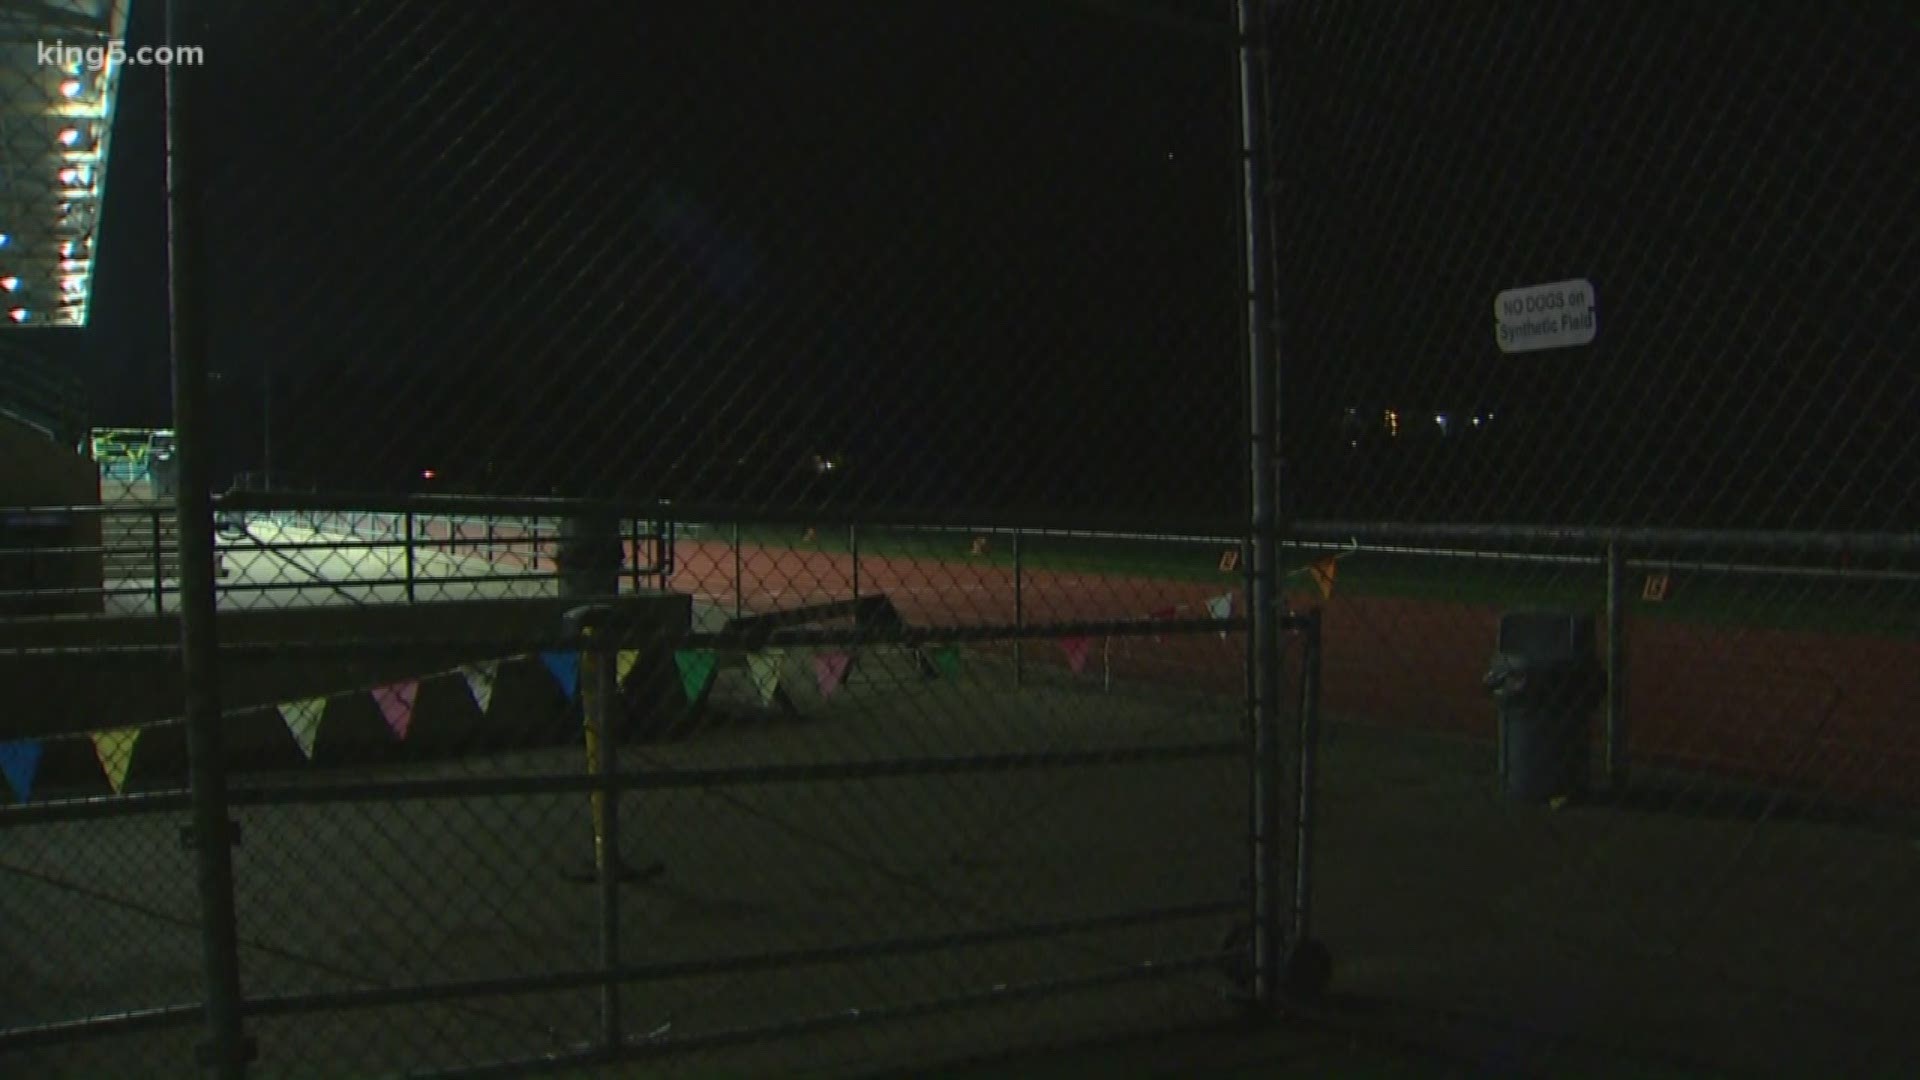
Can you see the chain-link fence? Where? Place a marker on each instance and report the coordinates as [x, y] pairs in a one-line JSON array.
[[1686, 429], [725, 385], [840, 415]]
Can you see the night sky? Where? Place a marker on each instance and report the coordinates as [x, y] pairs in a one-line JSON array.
[[988, 252]]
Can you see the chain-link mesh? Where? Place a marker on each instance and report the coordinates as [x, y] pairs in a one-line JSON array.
[[1691, 223], [735, 543], [655, 612]]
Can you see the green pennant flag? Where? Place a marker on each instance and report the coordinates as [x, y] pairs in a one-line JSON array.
[[946, 660], [696, 669]]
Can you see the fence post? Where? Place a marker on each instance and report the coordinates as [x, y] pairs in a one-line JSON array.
[[737, 582], [1617, 761], [212, 833], [599, 692], [632, 554], [1019, 616], [408, 554], [1263, 654], [159, 563], [1309, 750]]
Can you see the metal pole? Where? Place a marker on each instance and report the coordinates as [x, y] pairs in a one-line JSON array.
[[633, 553], [599, 683], [1309, 758], [737, 586], [1269, 891], [159, 583], [408, 554], [1019, 615], [1617, 763], [212, 833]]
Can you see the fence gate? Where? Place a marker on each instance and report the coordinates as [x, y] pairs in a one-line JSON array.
[[738, 604]]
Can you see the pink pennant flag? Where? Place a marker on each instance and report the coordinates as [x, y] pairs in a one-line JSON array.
[[1076, 649], [830, 671], [396, 705]]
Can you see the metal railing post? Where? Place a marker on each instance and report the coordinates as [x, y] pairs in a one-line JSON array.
[[212, 833], [407, 553], [632, 553], [159, 579], [853, 548], [1617, 757], [1019, 615]]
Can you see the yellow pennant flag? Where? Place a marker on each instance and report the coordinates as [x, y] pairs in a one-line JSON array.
[[765, 670], [1323, 571], [114, 748], [303, 721], [623, 664]]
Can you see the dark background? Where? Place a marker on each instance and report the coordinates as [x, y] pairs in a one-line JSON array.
[[986, 253]]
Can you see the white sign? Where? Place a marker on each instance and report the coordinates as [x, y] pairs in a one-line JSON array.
[[1545, 316]]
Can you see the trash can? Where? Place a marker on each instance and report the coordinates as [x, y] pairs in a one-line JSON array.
[[590, 555], [1546, 682]]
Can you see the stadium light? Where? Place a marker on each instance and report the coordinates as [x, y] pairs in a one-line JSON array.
[[19, 314], [5, 239], [10, 283], [69, 136], [70, 88]]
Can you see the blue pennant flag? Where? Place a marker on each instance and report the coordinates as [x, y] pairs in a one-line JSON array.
[[19, 761], [565, 667]]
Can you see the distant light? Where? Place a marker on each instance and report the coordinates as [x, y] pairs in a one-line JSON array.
[[1476, 421], [428, 474], [66, 248], [70, 88], [5, 239], [9, 283], [72, 175], [19, 314], [71, 285], [69, 136]]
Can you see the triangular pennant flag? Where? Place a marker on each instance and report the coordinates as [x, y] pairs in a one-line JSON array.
[[764, 667], [830, 670], [303, 721], [1076, 649], [696, 667], [1322, 572], [19, 761], [115, 750], [946, 660], [623, 664], [565, 668], [1221, 607], [480, 678], [396, 705]]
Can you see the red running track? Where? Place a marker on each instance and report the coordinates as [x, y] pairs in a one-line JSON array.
[[1822, 713]]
